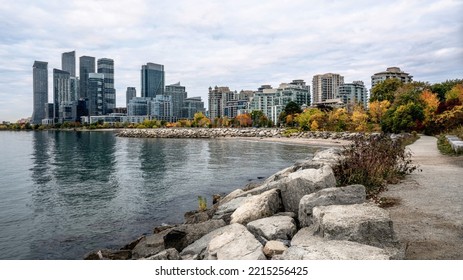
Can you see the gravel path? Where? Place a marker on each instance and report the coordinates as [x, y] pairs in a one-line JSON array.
[[428, 217]]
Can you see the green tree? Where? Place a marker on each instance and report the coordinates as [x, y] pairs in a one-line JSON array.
[[404, 118], [442, 88], [292, 108], [385, 90]]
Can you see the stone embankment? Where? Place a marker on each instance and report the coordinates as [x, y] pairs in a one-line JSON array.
[[295, 214], [231, 132]]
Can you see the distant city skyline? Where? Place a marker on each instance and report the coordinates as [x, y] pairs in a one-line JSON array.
[[238, 44]]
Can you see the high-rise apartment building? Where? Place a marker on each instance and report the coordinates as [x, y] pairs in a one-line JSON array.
[[86, 66], [391, 73], [326, 87], [129, 94], [39, 91], [191, 106], [95, 92], [62, 98], [218, 99], [105, 66], [152, 80], [354, 93], [177, 94], [68, 62]]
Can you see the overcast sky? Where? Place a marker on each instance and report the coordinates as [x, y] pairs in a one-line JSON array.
[[241, 43]]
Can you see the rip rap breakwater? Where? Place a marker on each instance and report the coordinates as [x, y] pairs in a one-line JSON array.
[[296, 214], [232, 132]]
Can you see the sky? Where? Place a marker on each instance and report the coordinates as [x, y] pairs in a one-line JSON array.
[[241, 44]]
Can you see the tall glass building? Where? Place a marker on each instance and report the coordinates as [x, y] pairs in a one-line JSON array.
[[152, 80], [68, 62], [106, 67], [86, 66], [40, 91], [95, 94], [178, 94], [129, 94], [62, 98]]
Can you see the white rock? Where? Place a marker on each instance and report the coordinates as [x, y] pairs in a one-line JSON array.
[[234, 243], [257, 207], [331, 196]]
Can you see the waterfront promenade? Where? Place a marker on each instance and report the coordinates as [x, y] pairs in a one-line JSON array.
[[429, 214]]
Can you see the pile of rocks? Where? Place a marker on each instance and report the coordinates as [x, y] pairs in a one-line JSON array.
[[297, 213], [231, 132]]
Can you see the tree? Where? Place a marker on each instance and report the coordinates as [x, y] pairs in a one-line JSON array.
[[385, 90], [292, 108], [200, 120], [359, 119], [306, 119], [442, 88], [338, 120], [377, 109], [244, 120], [455, 93], [431, 103], [404, 118]]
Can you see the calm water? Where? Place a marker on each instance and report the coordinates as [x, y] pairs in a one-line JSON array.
[[63, 194]]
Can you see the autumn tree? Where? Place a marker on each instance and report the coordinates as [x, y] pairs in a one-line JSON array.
[[310, 119], [244, 120], [377, 109], [338, 120], [359, 119], [200, 120]]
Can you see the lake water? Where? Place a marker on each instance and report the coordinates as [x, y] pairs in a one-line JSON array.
[[63, 194]]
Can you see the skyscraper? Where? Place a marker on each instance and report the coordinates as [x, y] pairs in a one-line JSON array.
[[152, 80], [106, 67], [326, 87], [129, 94], [62, 98], [354, 93], [178, 94], [95, 92], [86, 66], [40, 91], [68, 62]]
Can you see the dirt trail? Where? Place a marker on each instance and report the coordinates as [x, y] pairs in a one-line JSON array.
[[429, 215]]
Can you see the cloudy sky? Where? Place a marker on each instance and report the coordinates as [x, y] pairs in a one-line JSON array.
[[241, 43]]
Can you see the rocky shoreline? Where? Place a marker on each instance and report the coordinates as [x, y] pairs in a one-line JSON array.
[[233, 132], [297, 213]]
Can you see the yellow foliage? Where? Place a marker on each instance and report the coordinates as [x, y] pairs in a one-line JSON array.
[[431, 102], [455, 93], [314, 125], [377, 109], [359, 119]]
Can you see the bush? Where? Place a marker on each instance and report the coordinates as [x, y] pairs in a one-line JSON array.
[[373, 161]]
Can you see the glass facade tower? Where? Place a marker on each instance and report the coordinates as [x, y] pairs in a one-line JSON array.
[[40, 91], [86, 66], [152, 80]]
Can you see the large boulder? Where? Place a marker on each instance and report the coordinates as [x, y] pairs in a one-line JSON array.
[[234, 194], [332, 196], [303, 182], [306, 246], [272, 228], [328, 156], [235, 243], [225, 210], [150, 245], [196, 250], [364, 223], [183, 235], [257, 207]]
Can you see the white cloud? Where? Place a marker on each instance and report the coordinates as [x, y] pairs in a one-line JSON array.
[[240, 44]]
